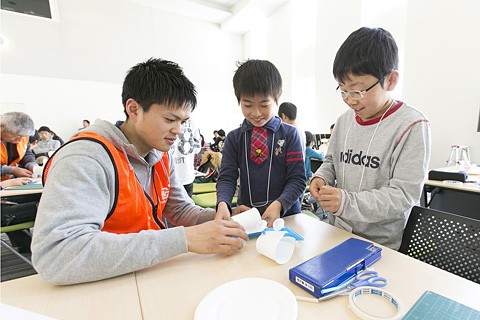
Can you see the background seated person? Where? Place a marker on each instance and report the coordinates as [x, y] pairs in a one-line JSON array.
[[310, 153], [221, 140], [85, 124], [16, 160], [16, 157], [56, 137], [46, 143]]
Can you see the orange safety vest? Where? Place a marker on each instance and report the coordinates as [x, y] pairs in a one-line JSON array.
[[21, 150], [133, 210]]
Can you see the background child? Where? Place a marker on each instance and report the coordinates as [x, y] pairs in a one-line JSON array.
[[264, 152], [378, 157], [46, 142], [310, 153]]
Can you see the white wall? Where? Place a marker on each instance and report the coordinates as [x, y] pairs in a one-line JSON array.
[[67, 70], [74, 67], [334, 24], [442, 70], [62, 104], [439, 52]]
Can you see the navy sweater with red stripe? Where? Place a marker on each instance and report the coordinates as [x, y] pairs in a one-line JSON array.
[[281, 176]]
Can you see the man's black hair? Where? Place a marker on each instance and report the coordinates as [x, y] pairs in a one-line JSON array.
[[257, 77], [288, 109], [367, 51], [158, 81]]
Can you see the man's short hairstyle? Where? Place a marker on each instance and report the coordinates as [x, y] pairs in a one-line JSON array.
[[18, 123], [288, 109], [158, 81], [257, 77], [221, 133], [367, 51], [308, 138]]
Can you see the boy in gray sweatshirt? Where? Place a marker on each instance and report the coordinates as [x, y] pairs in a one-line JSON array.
[[379, 152], [108, 189]]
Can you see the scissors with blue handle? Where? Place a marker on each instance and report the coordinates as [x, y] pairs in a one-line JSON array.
[[365, 278]]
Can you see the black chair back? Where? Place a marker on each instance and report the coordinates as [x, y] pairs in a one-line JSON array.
[[315, 164], [445, 240]]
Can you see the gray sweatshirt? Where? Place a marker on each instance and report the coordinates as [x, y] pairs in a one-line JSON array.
[[68, 245], [377, 198]]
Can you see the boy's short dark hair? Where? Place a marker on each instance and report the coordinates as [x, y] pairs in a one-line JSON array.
[[158, 81], [367, 51], [308, 138], [257, 77], [288, 109]]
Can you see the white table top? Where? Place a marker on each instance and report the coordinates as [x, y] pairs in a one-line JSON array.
[[114, 298], [179, 284]]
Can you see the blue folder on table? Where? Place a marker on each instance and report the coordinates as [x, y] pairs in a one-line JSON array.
[[334, 266]]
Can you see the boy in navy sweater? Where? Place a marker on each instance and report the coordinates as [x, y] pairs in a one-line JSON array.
[[264, 152]]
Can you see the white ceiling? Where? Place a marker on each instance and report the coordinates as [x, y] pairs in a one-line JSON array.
[[235, 16]]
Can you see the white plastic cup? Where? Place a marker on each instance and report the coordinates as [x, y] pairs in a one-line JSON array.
[[275, 246], [248, 219]]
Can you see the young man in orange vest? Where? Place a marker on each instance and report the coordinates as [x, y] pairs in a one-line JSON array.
[[108, 189]]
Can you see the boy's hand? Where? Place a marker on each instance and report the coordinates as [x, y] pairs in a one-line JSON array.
[[222, 212], [315, 185], [216, 236], [329, 198], [272, 213]]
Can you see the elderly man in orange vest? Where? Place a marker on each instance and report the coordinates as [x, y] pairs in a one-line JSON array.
[[16, 158]]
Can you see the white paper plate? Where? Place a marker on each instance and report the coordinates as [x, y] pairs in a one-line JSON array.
[[249, 298]]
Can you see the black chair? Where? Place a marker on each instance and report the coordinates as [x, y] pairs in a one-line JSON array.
[[315, 164], [445, 240]]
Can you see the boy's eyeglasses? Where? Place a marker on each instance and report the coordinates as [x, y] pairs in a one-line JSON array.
[[356, 94]]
